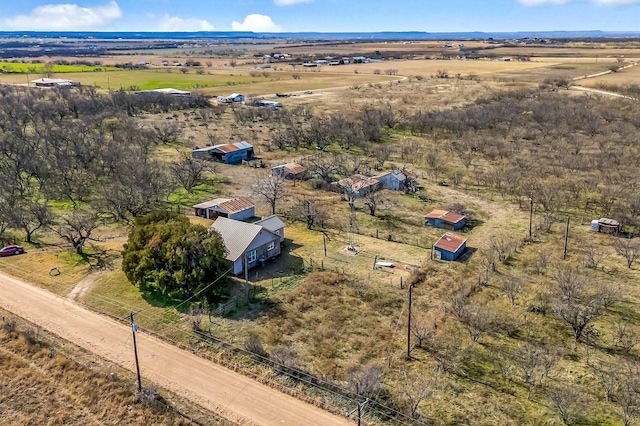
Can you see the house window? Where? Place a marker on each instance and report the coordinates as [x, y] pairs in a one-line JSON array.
[[271, 246], [251, 256]]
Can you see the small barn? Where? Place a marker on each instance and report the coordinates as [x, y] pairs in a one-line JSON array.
[[233, 208], [54, 82], [234, 97], [394, 180], [232, 153], [359, 185], [449, 247], [607, 226], [446, 220], [274, 105], [289, 171], [165, 91]]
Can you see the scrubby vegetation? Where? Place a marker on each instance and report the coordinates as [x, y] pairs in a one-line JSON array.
[[40, 384]]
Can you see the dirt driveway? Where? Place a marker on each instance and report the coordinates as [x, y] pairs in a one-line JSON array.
[[225, 392]]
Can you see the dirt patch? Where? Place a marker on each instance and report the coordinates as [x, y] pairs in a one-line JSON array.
[[81, 289]]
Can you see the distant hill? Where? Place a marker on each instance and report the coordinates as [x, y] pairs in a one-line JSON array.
[[385, 35]]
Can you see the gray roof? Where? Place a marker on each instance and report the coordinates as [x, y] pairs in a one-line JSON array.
[[237, 236], [396, 173], [208, 148], [271, 223]]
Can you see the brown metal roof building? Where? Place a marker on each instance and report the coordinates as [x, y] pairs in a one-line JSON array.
[[445, 219], [233, 208], [449, 247]]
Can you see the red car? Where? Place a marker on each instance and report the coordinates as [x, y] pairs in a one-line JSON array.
[[11, 250]]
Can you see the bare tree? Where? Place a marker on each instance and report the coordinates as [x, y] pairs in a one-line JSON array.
[[623, 387], [625, 335], [578, 305], [77, 228], [476, 318], [424, 326], [382, 153], [31, 216], [326, 167], [567, 400], [284, 357], [627, 248], [511, 287], [373, 199], [190, 172], [271, 189], [528, 360], [417, 387], [308, 211], [593, 255], [167, 132], [365, 380]]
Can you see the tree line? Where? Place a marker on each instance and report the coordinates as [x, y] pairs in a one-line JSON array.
[[85, 150]]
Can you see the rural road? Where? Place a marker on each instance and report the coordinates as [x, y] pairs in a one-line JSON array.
[[215, 388]]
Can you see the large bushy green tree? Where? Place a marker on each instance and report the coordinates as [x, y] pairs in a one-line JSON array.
[[169, 255]]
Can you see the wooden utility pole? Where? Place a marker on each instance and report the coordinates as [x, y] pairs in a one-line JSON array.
[[409, 324], [134, 330], [531, 217], [359, 410], [324, 240], [566, 240]]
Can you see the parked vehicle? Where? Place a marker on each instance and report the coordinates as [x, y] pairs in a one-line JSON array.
[[11, 250]]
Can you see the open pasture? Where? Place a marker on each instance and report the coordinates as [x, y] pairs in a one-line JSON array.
[[621, 78], [564, 51], [214, 82], [556, 71]]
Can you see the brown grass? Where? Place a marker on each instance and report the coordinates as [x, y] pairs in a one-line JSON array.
[[48, 382]]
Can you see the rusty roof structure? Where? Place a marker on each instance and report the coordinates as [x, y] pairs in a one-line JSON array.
[[293, 168], [450, 242], [445, 215], [228, 205], [357, 182]]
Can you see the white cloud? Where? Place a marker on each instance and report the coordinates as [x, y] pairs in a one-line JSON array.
[[596, 2], [175, 23], [64, 17], [290, 2], [258, 23]]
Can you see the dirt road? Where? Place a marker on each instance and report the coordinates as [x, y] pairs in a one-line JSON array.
[[230, 394]]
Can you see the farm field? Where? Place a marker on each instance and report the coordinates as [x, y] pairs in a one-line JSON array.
[[215, 83], [17, 67], [621, 78]]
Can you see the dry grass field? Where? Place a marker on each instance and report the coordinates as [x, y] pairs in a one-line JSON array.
[[46, 381], [620, 78]]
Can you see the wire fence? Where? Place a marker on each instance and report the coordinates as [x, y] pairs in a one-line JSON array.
[[295, 382]]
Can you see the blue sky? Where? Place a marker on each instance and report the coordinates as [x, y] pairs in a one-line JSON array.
[[320, 15]]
